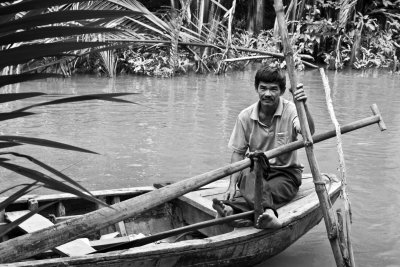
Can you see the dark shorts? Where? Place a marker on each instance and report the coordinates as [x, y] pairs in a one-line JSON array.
[[279, 187]]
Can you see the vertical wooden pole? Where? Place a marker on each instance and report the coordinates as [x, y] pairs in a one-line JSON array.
[[258, 186], [109, 228], [326, 206], [2, 221], [33, 204], [342, 236], [347, 224], [60, 211], [119, 226]]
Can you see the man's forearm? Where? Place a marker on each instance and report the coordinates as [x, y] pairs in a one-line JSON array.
[[235, 158]]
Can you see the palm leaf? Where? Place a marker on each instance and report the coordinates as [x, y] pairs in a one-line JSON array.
[[23, 191], [8, 227], [34, 4], [12, 187], [219, 5], [42, 142], [51, 63], [13, 115], [18, 96], [61, 16], [106, 97], [25, 53], [106, 48], [150, 27], [48, 168], [18, 78], [8, 144], [201, 16], [51, 32], [145, 14], [49, 182]]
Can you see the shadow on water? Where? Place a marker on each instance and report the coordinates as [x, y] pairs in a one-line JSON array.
[[182, 129]]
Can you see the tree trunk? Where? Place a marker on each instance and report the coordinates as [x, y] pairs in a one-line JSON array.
[[251, 16], [301, 10], [260, 7], [174, 4], [355, 50]]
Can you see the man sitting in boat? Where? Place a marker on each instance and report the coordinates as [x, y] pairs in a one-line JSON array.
[[267, 124]]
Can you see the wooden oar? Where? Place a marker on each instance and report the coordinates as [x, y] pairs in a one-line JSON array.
[[34, 243], [177, 231]]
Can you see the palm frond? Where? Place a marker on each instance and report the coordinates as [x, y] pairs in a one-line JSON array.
[[13, 115], [33, 5], [17, 78], [50, 182], [42, 142], [105, 97], [25, 53], [18, 96], [61, 16], [109, 60], [48, 168], [51, 32], [23, 191], [8, 144]]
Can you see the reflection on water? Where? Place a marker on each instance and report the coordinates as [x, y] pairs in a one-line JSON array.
[[180, 127]]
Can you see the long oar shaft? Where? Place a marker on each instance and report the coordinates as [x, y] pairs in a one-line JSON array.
[[34, 243], [177, 231]]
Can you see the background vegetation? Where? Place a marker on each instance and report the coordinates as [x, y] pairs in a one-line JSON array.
[[163, 38]]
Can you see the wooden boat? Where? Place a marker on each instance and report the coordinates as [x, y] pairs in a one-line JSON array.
[[219, 245]]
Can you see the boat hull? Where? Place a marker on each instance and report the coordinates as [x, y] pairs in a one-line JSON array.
[[239, 247]]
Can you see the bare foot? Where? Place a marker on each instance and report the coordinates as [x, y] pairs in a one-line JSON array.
[[222, 210], [268, 220]]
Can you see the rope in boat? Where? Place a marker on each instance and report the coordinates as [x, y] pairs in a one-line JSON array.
[[263, 163], [342, 164]]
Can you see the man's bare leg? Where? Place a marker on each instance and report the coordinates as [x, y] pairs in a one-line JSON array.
[[268, 220], [222, 209]]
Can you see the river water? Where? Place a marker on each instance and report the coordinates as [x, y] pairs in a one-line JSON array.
[[180, 127]]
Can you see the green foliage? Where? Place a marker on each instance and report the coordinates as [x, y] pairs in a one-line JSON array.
[[150, 64]]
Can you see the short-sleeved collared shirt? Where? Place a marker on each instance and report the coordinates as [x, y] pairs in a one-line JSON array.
[[249, 134]]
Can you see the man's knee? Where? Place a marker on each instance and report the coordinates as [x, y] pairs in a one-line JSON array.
[[283, 191]]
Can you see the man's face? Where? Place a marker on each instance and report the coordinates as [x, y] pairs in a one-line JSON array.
[[269, 94]]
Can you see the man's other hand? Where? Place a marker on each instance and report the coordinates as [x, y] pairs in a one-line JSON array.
[[300, 94], [230, 193]]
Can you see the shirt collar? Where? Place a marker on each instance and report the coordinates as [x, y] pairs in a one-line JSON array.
[[278, 111]]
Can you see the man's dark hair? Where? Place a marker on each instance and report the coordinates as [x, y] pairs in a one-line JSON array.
[[271, 75]]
